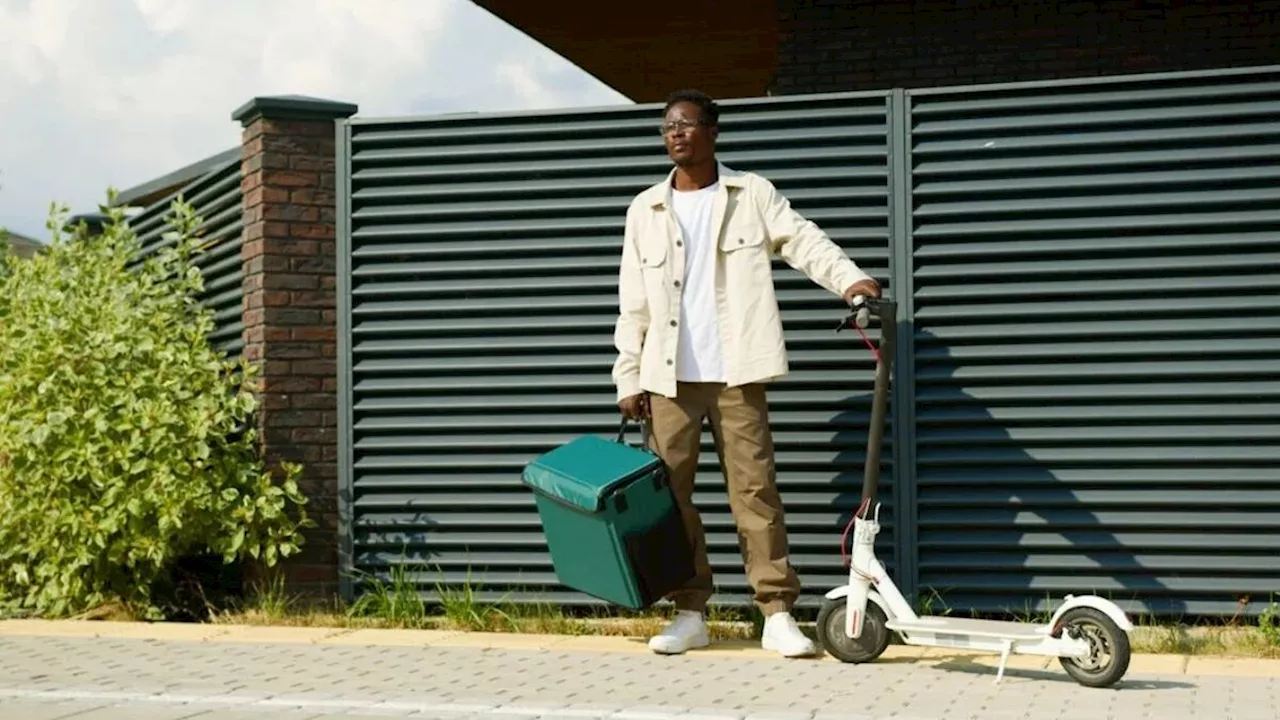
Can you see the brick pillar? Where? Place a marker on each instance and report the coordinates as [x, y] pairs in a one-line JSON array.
[[290, 315]]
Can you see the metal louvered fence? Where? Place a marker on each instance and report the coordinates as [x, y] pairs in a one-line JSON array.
[[1088, 383], [216, 198]]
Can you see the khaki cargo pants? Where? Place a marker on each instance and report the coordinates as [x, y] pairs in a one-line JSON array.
[[739, 420]]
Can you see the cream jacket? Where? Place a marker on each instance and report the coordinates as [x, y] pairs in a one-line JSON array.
[[753, 224]]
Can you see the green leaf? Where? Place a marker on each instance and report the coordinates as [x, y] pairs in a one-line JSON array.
[[125, 438]]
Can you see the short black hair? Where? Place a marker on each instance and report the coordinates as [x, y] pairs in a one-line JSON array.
[[707, 107]]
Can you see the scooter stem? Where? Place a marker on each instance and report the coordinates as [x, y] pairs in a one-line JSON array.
[[887, 313]]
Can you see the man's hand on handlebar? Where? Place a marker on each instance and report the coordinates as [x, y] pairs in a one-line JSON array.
[[868, 287], [863, 298]]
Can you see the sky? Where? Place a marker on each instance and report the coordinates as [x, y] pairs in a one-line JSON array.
[[113, 93]]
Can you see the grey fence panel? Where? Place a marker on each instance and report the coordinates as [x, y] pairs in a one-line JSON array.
[[216, 198], [480, 257], [1097, 341]]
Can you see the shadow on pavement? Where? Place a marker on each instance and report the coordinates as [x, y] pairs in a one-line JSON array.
[[966, 664]]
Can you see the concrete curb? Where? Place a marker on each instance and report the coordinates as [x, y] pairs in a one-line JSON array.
[[746, 650]]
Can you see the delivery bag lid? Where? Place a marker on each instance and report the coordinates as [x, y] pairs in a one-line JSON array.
[[584, 472]]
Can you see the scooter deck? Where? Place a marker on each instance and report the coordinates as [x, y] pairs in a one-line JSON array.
[[966, 626]]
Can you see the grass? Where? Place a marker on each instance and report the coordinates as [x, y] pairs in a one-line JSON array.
[[1230, 637], [398, 603]]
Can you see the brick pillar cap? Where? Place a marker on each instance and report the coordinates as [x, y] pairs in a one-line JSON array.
[[292, 107]]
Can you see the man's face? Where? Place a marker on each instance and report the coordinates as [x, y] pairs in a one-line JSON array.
[[688, 141]]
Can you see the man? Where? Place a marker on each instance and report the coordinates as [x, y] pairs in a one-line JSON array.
[[698, 336]]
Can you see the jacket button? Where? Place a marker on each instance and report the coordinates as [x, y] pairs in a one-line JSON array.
[[673, 323], [741, 241], [677, 283], [679, 244], [670, 362]]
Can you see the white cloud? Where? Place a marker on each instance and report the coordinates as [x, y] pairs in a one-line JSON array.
[[532, 81], [98, 93]]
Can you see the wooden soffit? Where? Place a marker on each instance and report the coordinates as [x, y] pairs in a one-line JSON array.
[[727, 48]]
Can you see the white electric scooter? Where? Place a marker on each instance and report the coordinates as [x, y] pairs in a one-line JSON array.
[[1088, 634]]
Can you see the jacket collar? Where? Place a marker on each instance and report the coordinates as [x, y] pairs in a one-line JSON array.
[[657, 195]]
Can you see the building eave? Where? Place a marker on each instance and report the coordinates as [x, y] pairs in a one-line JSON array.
[[728, 50]]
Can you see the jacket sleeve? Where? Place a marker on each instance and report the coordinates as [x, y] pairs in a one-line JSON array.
[[802, 244], [633, 316]]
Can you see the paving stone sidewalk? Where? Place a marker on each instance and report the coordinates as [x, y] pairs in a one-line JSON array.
[[48, 677]]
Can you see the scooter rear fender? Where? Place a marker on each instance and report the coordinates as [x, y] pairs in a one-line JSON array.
[[1109, 608]]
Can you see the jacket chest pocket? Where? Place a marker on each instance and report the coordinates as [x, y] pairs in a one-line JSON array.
[[744, 234], [654, 264], [745, 248], [742, 239], [653, 255]]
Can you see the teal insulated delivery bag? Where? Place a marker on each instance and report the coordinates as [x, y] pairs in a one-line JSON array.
[[611, 522]]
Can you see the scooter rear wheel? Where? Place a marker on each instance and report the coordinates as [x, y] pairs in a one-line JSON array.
[[865, 648], [1108, 659]]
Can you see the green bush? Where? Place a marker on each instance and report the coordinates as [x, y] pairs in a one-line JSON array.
[[126, 441], [1269, 625], [6, 251]]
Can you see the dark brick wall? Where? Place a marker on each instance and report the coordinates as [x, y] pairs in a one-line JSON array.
[[290, 311], [840, 45]]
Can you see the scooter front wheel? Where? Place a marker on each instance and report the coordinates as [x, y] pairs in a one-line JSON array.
[[1108, 658], [865, 648]]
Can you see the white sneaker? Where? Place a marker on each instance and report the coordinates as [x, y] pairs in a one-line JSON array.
[[782, 635], [687, 631]]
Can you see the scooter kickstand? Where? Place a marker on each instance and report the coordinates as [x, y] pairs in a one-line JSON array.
[[1004, 658]]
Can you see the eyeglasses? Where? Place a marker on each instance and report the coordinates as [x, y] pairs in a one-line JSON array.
[[669, 127]]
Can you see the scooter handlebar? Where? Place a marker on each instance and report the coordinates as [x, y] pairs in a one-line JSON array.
[[864, 307]]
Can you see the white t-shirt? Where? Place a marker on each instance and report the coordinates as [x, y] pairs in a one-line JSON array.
[[698, 354]]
